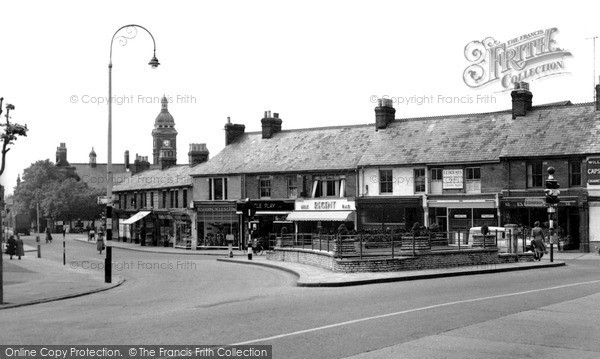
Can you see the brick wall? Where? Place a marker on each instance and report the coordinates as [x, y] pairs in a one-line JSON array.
[[423, 260]]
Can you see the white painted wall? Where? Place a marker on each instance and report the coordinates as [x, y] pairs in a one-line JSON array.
[[403, 182], [234, 188]]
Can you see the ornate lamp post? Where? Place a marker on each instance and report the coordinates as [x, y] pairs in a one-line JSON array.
[[130, 33]]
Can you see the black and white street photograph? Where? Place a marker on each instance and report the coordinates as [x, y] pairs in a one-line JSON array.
[[317, 179]]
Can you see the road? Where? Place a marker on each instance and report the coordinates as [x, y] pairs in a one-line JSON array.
[[193, 300]]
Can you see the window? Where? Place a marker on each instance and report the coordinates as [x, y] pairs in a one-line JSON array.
[[436, 181], [385, 181], [172, 199], [177, 199], [329, 187], [419, 175], [535, 174], [574, 173], [125, 201], [473, 179], [164, 201], [292, 187], [152, 199], [264, 188], [133, 198], [185, 198], [217, 189]]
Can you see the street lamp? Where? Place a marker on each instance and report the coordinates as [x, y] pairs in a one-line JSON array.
[[131, 32]]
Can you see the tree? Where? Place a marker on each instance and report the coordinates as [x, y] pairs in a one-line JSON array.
[[59, 192], [10, 133]]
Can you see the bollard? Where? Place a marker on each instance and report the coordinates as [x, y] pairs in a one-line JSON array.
[[249, 252], [39, 246], [230, 249]]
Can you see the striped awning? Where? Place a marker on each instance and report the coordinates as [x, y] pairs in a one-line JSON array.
[[136, 217]]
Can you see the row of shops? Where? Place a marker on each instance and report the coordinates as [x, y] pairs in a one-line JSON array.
[[209, 223]]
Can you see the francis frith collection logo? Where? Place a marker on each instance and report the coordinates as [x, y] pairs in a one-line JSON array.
[[526, 57]]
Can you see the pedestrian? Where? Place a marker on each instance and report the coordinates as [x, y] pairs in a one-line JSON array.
[[19, 244], [537, 241], [48, 235], [485, 230], [91, 234], [11, 246], [100, 243]]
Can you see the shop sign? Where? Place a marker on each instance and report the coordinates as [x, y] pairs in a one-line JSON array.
[[325, 205], [593, 171], [463, 216], [483, 216], [535, 202], [269, 206], [452, 179], [216, 208]]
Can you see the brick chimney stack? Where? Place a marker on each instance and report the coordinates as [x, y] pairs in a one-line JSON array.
[[270, 124], [232, 131], [384, 113], [598, 95], [198, 153], [521, 99]]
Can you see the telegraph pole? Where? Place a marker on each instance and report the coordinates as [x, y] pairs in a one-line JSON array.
[[593, 38], [552, 200]]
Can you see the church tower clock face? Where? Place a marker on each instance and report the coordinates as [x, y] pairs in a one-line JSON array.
[[166, 143]]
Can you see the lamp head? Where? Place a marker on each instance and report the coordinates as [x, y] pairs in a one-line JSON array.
[[154, 62]]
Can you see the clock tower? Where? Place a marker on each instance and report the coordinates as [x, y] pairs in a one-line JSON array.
[[164, 134]]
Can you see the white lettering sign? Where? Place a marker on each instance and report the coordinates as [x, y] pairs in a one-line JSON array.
[[325, 205], [452, 179]]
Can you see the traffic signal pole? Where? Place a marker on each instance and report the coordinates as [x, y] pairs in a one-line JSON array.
[[552, 192]]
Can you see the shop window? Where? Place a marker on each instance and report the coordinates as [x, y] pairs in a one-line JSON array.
[[436, 181], [574, 173], [473, 179], [265, 188], [386, 182], [535, 174], [419, 175], [217, 188], [292, 187]]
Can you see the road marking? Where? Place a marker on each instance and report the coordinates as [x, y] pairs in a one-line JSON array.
[[412, 311]]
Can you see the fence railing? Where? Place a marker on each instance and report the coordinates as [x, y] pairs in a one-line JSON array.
[[391, 245]]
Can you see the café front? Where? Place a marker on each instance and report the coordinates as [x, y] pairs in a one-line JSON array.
[[323, 215]]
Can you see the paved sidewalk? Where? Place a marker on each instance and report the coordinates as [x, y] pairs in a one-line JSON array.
[[33, 280]]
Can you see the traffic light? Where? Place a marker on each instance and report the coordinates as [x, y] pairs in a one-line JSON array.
[[552, 191], [253, 226]]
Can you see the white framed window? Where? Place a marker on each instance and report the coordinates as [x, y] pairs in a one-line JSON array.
[[292, 186], [217, 189], [419, 176], [386, 182], [264, 189], [473, 177], [329, 187], [436, 181]]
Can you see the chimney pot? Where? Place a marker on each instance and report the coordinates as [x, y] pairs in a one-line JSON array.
[[521, 99], [385, 113]]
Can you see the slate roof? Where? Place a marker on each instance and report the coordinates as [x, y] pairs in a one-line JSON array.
[[313, 149], [178, 176], [95, 177], [440, 139], [572, 129]]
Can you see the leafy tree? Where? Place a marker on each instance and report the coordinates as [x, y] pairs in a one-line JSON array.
[[59, 192]]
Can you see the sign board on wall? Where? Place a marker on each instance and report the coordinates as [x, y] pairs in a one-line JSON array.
[[593, 171], [325, 205], [452, 179]]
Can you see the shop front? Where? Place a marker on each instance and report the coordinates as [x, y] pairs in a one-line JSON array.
[[385, 214], [182, 222], [323, 215], [271, 216], [214, 221], [459, 215], [525, 211]]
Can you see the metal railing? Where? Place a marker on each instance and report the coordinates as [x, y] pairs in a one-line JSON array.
[[399, 244]]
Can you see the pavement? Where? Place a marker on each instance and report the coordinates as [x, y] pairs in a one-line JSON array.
[[36, 280]]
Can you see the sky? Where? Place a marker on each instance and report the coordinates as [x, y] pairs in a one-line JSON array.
[[316, 63]]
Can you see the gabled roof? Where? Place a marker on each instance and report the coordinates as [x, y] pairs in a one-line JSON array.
[[313, 149], [178, 176]]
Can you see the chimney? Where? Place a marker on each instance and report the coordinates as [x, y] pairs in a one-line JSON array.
[[232, 131], [521, 99], [270, 124], [127, 160], [198, 153], [384, 113], [598, 95], [140, 164], [61, 155]]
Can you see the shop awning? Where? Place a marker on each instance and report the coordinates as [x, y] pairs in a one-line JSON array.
[[136, 217], [341, 216]]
